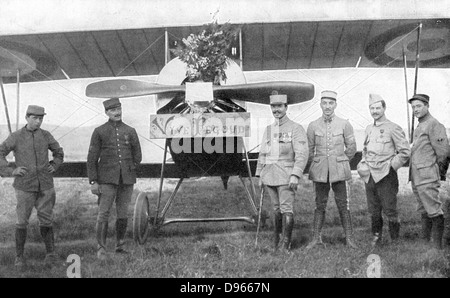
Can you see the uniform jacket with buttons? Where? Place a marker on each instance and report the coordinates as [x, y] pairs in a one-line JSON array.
[[429, 152], [31, 151], [283, 152], [114, 153], [331, 146], [385, 146]]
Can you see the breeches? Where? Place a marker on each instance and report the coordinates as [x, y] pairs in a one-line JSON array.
[[427, 196], [43, 201], [282, 198], [382, 196], [121, 194], [340, 194]]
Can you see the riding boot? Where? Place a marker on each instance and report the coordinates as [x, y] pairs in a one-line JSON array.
[[121, 229], [49, 241], [288, 226], [394, 230], [21, 237], [346, 221], [377, 230], [446, 235], [446, 242], [102, 232], [278, 228], [427, 224], [319, 218], [437, 231]]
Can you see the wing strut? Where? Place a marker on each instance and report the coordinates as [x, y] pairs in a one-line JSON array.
[[6, 105], [18, 99], [407, 97], [415, 78], [166, 47]]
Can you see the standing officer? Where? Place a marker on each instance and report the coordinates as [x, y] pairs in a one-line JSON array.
[[114, 154], [33, 182], [429, 164], [331, 145], [282, 159], [385, 151]]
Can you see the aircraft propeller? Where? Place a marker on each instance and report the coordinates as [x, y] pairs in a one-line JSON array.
[[297, 92]]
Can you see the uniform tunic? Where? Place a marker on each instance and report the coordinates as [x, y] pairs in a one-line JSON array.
[[429, 162], [331, 145], [385, 146], [284, 152], [31, 151], [429, 151], [114, 154]]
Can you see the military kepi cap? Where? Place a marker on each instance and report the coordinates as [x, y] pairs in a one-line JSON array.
[[35, 110], [278, 99], [374, 98], [328, 94], [111, 103], [422, 97]]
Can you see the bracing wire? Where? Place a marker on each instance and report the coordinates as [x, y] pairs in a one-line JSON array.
[[143, 52]]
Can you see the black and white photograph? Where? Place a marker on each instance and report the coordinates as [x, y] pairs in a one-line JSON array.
[[225, 145]]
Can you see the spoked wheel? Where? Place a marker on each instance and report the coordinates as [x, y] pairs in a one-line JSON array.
[[264, 217], [141, 218]]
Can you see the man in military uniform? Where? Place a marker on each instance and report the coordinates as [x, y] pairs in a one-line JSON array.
[[33, 179], [331, 145], [282, 159], [385, 151], [114, 154], [428, 166]]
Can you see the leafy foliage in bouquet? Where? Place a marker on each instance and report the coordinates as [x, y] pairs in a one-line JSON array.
[[205, 53]]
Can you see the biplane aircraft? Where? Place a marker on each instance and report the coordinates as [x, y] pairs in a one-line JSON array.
[[109, 49]]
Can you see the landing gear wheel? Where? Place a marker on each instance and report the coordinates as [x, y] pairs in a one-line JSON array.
[[141, 218], [264, 217]]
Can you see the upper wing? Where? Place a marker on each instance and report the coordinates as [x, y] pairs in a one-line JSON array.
[[265, 46]]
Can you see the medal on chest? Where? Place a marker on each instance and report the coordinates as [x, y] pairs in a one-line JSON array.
[[283, 137]]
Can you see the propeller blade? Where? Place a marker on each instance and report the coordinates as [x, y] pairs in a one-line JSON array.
[[259, 92], [129, 88]]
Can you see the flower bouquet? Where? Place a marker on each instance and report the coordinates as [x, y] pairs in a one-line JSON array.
[[205, 53]]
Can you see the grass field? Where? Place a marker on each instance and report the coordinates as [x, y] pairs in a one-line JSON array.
[[219, 249]]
